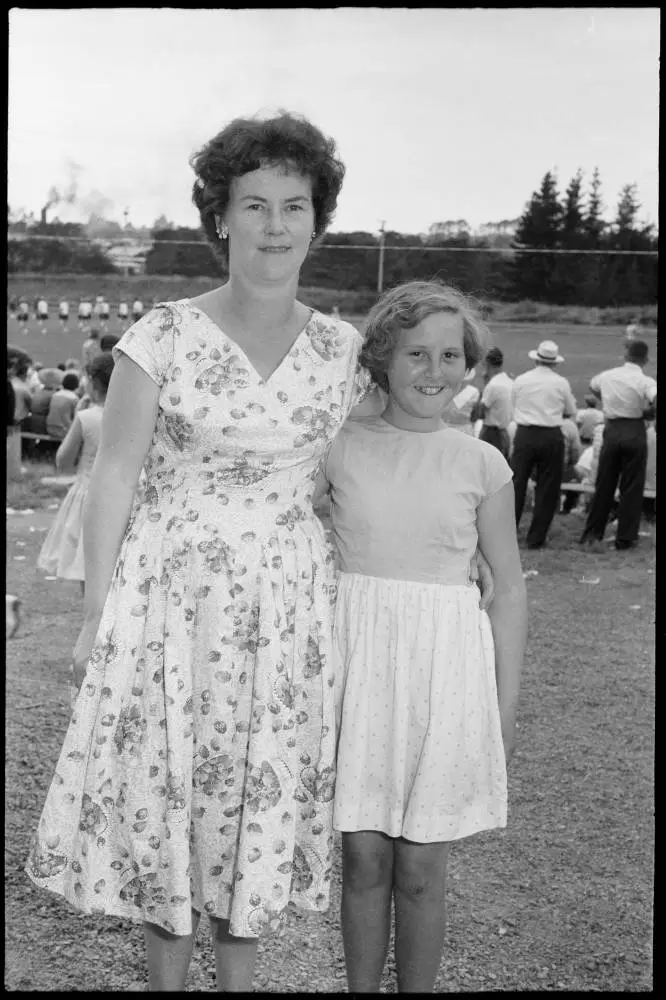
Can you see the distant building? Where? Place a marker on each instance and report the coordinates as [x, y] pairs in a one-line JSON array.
[[128, 255]]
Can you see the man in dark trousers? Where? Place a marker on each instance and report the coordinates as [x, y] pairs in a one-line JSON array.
[[542, 398], [626, 393]]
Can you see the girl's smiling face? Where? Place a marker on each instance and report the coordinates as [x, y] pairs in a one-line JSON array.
[[426, 371]]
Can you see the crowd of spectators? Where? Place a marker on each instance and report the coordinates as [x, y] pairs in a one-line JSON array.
[[45, 400]]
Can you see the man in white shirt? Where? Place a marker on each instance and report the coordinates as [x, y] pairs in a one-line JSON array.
[[626, 393], [496, 406], [542, 398]]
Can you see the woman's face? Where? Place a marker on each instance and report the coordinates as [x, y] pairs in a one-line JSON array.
[[270, 218], [426, 371]]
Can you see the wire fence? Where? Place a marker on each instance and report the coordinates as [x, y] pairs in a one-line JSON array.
[[125, 242]]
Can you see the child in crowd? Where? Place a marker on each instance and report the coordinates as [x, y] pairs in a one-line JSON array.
[[589, 418], [426, 683], [50, 379], [462, 410], [62, 551], [572, 452], [63, 406]]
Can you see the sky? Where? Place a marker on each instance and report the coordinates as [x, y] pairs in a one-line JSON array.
[[438, 114]]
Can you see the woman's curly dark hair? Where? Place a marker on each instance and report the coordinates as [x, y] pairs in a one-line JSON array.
[[403, 308], [246, 144]]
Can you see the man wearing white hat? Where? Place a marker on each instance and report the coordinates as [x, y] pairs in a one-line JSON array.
[[542, 398]]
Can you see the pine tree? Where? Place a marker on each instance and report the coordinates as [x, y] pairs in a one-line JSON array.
[[629, 279], [539, 228], [568, 267], [593, 266]]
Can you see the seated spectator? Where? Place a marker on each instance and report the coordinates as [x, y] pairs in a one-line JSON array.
[[18, 368], [572, 450], [597, 441], [32, 379], [461, 411], [589, 418], [583, 467], [63, 406], [108, 342], [50, 380]]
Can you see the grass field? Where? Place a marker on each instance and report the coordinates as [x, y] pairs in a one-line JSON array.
[[586, 349], [559, 901]]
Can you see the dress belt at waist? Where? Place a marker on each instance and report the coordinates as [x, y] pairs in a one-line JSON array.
[[629, 420]]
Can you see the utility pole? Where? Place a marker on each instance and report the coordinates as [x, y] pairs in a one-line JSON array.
[[380, 268], [126, 267]]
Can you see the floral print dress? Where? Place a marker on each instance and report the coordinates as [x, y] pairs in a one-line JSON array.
[[198, 768]]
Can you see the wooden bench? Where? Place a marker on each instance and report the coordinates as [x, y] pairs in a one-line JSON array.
[[37, 437]]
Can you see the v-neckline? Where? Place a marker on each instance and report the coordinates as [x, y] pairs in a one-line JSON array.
[[263, 380]]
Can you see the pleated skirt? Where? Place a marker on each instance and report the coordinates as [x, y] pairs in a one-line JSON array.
[[419, 744]]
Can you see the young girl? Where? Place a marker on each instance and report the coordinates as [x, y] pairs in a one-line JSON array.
[[427, 683], [62, 551]]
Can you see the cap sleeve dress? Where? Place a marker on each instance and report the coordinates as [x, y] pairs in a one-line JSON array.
[[420, 751], [198, 768]]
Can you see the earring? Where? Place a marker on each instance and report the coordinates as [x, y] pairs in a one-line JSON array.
[[222, 230], [312, 237]]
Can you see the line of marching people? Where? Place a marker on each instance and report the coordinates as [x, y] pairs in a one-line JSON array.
[[536, 424]]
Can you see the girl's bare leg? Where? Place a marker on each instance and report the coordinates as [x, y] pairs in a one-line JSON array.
[[235, 958], [168, 956], [367, 881], [420, 913]]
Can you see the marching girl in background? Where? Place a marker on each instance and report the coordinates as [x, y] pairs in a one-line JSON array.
[[62, 551], [426, 682]]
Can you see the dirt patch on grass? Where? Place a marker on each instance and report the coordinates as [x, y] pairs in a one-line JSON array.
[[560, 900]]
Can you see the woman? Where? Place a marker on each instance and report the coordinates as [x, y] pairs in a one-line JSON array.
[[206, 644]]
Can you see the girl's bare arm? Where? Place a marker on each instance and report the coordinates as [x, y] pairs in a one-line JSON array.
[[496, 524]]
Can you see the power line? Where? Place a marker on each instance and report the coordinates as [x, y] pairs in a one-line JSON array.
[[126, 242]]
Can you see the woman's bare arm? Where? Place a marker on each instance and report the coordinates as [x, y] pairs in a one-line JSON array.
[[128, 423]]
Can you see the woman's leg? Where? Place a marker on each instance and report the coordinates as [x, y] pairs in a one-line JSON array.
[[420, 913], [235, 958], [168, 956], [367, 883]]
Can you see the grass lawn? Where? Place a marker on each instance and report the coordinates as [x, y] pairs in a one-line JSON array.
[[586, 349], [559, 901]]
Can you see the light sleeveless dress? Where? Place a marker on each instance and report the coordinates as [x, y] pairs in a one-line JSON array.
[[62, 551], [199, 764], [420, 752]]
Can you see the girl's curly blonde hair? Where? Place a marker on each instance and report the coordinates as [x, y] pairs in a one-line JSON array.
[[403, 308]]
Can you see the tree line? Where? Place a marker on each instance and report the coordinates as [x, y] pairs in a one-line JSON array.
[[571, 222]]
